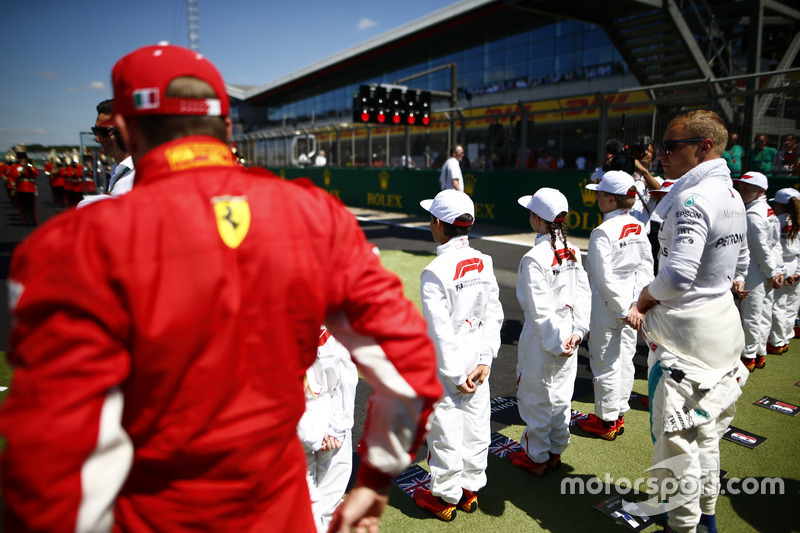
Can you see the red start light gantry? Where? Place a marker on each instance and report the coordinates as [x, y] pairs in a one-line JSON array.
[[376, 103]]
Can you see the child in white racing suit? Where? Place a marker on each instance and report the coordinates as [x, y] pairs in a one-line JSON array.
[[619, 264], [553, 291], [787, 299], [765, 272], [326, 425], [461, 304]]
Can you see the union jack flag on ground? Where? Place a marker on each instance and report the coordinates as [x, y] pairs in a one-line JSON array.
[[412, 479], [502, 445], [575, 416]]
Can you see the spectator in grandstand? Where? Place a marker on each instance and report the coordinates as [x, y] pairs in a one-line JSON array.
[[320, 160], [762, 157], [788, 155], [545, 161], [733, 154], [167, 343]]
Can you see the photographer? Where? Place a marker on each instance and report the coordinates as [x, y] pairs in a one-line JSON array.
[[635, 160]]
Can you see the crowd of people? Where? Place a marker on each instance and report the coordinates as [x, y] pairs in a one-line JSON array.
[[196, 371], [69, 177], [762, 157]]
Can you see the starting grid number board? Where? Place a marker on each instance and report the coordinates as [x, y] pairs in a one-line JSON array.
[[778, 406], [612, 508], [743, 438]]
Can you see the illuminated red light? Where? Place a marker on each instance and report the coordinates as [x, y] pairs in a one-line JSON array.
[[426, 120], [411, 118], [396, 118], [381, 117], [365, 116]]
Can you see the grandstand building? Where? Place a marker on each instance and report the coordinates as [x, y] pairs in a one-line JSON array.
[[512, 79]]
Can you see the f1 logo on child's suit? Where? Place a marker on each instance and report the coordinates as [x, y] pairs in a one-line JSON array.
[[467, 265], [563, 253], [630, 229]]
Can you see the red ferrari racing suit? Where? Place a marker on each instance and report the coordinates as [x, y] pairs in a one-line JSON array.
[[159, 361]]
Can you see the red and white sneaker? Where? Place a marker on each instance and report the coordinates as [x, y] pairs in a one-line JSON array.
[[446, 512], [595, 425], [775, 350], [468, 502], [521, 460]]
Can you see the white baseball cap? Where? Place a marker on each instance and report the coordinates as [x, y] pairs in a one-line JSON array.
[[448, 205], [547, 203], [754, 178], [783, 196], [615, 182], [666, 185]]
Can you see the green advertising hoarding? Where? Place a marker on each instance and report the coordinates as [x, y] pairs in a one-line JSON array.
[[494, 193]]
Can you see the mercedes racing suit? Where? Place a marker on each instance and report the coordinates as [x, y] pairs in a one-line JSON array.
[[695, 337], [619, 264], [159, 361], [766, 261], [555, 297], [461, 304]]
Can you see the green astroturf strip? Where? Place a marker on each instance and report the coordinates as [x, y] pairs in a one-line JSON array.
[[408, 267]]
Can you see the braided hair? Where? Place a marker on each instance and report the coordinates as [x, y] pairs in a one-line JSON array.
[[559, 226]]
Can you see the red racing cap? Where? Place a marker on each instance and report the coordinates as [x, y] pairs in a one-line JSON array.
[[141, 79]]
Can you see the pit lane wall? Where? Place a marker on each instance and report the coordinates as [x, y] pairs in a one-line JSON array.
[[494, 193]]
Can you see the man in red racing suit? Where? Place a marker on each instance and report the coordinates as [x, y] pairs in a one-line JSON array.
[[159, 361]]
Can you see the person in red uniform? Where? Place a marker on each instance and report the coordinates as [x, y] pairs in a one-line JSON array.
[[59, 181], [159, 361], [8, 181], [24, 175]]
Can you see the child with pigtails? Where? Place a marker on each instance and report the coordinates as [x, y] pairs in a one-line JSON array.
[[553, 290]]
